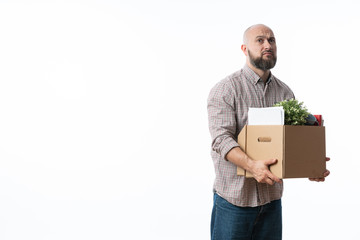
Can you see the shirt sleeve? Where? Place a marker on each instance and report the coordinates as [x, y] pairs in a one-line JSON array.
[[222, 118]]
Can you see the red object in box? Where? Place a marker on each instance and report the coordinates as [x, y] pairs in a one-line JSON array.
[[319, 119]]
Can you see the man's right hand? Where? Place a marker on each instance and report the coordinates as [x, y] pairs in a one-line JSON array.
[[259, 168], [260, 171]]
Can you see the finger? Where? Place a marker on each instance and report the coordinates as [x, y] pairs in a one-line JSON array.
[[270, 177], [317, 179], [274, 178], [270, 162], [327, 173], [269, 174], [269, 181], [265, 179]]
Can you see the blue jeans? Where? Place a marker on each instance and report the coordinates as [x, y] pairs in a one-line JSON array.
[[230, 222]]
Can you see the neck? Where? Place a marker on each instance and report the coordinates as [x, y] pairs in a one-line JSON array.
[[263, 74]]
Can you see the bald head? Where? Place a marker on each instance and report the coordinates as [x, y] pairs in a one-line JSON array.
[[251, 29], [259, 48]]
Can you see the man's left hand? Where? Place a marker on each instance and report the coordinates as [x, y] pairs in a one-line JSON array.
[[326, 173]]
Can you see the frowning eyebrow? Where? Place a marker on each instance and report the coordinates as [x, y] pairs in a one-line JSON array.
[[264, 37]]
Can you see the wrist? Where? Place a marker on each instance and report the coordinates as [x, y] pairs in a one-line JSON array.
[[249, 164]]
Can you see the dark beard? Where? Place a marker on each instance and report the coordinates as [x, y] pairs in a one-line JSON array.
[[261, 63]]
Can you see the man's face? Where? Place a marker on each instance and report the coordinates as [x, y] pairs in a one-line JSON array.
[[261, 48]]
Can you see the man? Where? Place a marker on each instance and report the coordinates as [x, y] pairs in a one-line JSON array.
[[246, 208]]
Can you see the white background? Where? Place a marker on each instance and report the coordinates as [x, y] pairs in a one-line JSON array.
[[103, 121]]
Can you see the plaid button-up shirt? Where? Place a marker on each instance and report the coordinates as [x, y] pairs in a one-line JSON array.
[[228, 104]]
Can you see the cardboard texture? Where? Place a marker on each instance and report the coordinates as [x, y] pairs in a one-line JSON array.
[[300, 150]]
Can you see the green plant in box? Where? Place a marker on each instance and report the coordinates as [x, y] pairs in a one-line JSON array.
[[295, 112]]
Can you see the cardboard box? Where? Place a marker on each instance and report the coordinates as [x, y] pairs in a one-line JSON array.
[[300, 150]]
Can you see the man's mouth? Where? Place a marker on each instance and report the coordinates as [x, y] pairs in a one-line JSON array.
[[266, 53]]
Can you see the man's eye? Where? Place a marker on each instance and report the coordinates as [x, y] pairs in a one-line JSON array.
[[260, 40]]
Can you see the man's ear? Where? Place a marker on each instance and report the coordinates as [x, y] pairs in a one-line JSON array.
[[244, 49]]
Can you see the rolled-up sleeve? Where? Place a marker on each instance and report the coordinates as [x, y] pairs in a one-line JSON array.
[[222, 118]]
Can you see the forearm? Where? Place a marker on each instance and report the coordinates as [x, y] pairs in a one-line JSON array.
[[239, 158]]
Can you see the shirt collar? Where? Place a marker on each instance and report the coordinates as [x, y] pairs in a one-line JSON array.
[[253, 77]]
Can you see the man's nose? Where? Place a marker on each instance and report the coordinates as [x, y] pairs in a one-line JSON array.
[[267, 44]]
